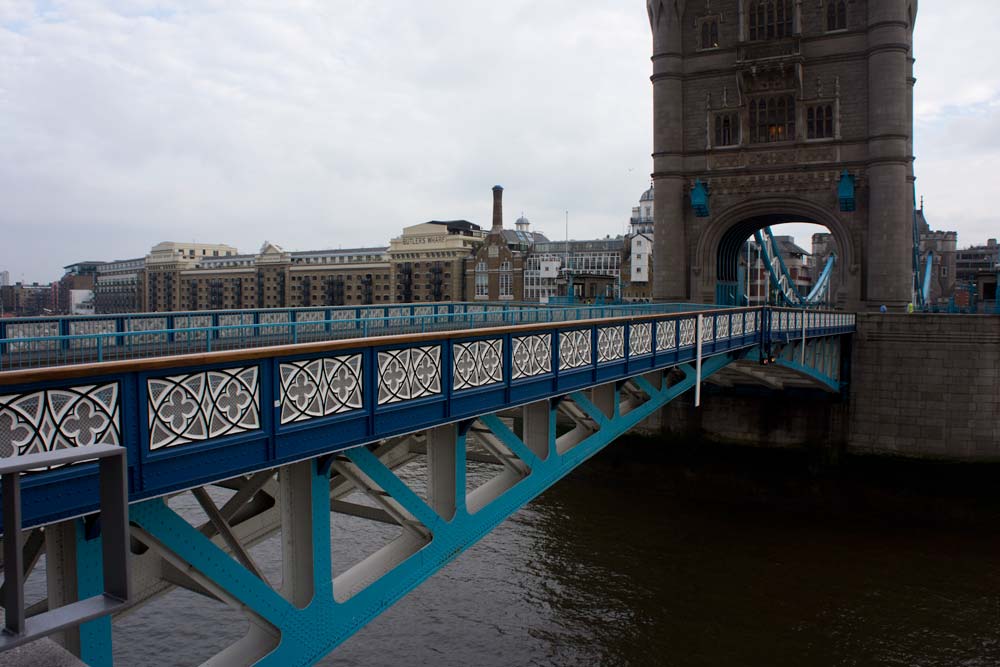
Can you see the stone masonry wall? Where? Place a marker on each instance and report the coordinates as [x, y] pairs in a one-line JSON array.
[[926, 386], [921, 386]]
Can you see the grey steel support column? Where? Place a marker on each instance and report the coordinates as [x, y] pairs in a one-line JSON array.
[[60, 576], [296, 532], [537, 428], [442, 458], [13, 593], [603, 396]]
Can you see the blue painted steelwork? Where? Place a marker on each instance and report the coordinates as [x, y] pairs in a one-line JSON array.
[[699, 199], [26, 343], [781, 278], [845, 193], [306, 632], [95, 636], [821, 290], [924, 294], [189, 422]]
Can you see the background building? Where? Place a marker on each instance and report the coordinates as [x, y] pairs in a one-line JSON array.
[[978, 268], [944, 270], [120, 286], [75, 294], [29, 300], [497, 270], [637, 263], [164, 264], [428, 261]]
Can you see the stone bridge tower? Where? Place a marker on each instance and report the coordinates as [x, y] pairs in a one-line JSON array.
[[770, 111]]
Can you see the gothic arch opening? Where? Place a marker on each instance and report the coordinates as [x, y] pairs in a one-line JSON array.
[[728, 253]]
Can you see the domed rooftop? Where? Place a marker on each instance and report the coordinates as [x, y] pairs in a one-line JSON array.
[[522, 221], [648, 194]]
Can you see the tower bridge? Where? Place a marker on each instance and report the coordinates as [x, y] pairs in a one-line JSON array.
[[276, 437], [776, 111], [765, 112]]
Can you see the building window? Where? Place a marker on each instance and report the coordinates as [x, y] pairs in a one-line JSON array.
[[819, 121], [506, 284], [710, 33], [770, 19], [482, 284], [505, 266], [772, 119], [727, 129], [836, 15]]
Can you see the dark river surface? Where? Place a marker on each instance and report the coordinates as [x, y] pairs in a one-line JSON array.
[[735, 557]]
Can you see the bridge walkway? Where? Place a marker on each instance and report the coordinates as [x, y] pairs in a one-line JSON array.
[[288, 434]]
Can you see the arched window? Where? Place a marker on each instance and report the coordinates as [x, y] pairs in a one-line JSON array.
[[819, 122], [769, 19], [710, 33], [727, 129], [836, 15], [772, 119]]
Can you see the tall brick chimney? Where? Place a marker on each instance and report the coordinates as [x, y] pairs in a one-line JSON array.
[[497, 210]]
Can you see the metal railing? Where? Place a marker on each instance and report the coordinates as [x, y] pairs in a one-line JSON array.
[[189, 421], [148, 335]]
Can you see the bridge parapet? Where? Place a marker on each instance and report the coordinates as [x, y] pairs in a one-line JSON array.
[[58, 341], [188, 420]]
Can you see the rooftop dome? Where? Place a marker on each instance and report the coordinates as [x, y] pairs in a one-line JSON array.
[[522, 221], [648, 194]]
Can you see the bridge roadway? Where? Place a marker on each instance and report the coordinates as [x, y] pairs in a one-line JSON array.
[[271, 438]]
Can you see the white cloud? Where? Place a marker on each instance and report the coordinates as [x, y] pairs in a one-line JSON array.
[[328, 122], [314, 123]]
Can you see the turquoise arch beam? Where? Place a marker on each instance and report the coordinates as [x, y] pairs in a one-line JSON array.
[[792, 361], [308, 633]]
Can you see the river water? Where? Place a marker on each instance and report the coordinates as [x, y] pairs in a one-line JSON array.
[[680, 560]]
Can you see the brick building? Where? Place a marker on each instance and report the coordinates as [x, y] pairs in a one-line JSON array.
[[75, 294], [120, 286], [29, 299], [428, 261], [497, 271], [275, 278], [164, 265]]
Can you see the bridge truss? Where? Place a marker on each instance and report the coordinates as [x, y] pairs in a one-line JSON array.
[[270, 441], [781, 279]]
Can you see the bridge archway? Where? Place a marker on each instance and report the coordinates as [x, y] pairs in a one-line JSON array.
[[720, 242]]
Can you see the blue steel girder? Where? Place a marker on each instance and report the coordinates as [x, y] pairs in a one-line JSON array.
[[299, 627], [192, 420], [818, 359]]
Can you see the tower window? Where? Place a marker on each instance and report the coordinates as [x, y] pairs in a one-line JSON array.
[[710, 33], [769, 19], [772, 119], [819, 121], [727, 129], [836, 15]]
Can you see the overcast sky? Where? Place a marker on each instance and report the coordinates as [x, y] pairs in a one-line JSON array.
[[326, 123]]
